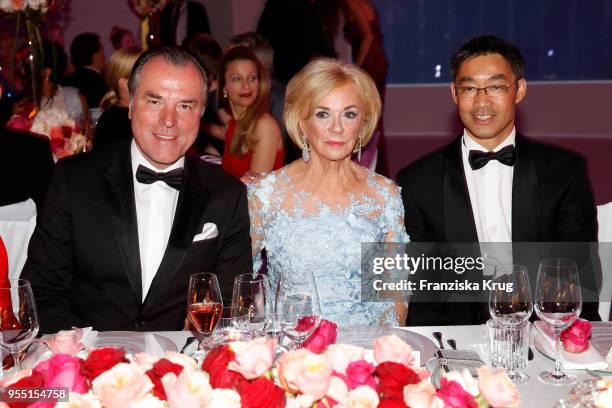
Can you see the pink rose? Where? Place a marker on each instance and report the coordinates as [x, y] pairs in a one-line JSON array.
[[576, 337], [7, 381], [253, 358], [392, 349], [122, 385], [304, 372], [66, 342], [80, 401], [422, 395], [181, 359], [360, 373], [145, 360], [321, 337], [465, 379], [497, 389], [341, 355], [454, 396], [338, 390], [190, 389], [224, 398], [63, 370], [362, 397]]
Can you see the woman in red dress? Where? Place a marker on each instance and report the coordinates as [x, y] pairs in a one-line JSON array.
[[253, 142]]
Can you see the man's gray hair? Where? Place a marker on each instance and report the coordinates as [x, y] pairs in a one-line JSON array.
[[174, 56]]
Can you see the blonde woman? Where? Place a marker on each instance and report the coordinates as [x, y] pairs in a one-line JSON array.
[[114, 123], [313, 214], [253, 142]]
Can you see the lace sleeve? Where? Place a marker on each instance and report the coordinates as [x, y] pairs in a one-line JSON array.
[[259, 210], [393, 214]]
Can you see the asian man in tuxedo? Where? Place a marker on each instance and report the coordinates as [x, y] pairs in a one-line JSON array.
[[492, 184], [123, 227]]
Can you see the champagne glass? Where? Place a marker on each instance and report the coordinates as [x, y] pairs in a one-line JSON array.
[[204, 304], [510, 305], [18, 318], [250, 308], [296, 307], [558, 302]]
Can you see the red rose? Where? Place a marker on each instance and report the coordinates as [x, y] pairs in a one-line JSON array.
[[161, 368], [391, 403], [262, 393], [321, 337], [36, 380], [392, 378], [215, 364], [454, 396], [576, 337], [101, 360], [360, 373]]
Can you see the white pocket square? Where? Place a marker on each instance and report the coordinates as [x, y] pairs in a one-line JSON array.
[[209, 230]]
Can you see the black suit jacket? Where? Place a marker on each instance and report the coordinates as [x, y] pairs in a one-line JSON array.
[[83, 260], [552, 201], [89, 83], [25, 168], [197, 22]]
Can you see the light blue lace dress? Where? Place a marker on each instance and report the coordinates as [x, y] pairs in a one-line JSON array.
[[300, 233]]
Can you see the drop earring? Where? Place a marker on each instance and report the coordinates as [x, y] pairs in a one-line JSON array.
[[305, 151], [224, 94], [359, 151]]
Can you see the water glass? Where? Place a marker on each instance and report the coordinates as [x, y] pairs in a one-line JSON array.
[[509, 348]]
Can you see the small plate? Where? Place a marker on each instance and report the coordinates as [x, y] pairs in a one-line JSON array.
[[591, 358], [601, 337], [136, 342], [363, 336]]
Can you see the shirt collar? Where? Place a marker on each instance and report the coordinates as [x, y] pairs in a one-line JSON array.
[[471, 144], [139, 159]]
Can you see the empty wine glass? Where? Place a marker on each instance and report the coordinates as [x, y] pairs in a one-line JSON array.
[[296, 307], [558, 302], [204, 304], [18, 318], [250, 303], [510, 305]]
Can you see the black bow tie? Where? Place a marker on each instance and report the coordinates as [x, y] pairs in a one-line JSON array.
[[173, 178], [479, 159]]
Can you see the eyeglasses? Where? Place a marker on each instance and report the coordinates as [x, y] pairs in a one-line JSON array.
[[468, 92]]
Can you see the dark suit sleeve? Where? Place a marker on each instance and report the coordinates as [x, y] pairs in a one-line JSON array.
[[235, 253], [416, 225], [49, 265]]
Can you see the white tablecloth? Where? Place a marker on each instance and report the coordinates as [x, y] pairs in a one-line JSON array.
[[17, 223]]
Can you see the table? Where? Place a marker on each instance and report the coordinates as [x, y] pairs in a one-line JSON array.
[[534, 394]]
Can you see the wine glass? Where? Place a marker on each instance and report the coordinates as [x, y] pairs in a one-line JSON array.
[[18, 318], [510, 305], [296, 307], [250, 303], [558, 302], [204, 304]]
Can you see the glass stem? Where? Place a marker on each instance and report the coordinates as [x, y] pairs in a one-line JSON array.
[[558, 352], [16, 365]]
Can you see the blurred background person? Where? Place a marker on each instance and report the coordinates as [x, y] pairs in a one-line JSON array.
[[263, 50], [253, 141], [122, 38], [208, 52], [114, 123], [87, 54], [362, 30], [182, 19]]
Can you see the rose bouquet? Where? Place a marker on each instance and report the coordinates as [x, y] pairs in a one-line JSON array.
[[245, 374], [64, 135], [12, 6], [146, 7]]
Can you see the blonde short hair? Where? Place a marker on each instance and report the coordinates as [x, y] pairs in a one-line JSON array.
[[315, 81], [119, 66]]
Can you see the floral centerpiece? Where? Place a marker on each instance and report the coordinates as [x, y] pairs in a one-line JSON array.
[[245, 374], [65, 136]]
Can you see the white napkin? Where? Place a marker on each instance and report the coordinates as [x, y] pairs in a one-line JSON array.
[[590, 358], [152, 346]]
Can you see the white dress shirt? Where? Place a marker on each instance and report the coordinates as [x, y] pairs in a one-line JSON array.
[[155, 207], [490, 189]]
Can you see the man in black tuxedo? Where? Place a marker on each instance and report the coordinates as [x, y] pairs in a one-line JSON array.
[[125, 226], [492, 184], [182, 19], [87, 54]]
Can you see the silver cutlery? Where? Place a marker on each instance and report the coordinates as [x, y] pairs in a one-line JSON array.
[[452, 343], [438, 336], [190, 340]]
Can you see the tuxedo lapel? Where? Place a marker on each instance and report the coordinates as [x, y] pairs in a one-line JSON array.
[[459, 223], [189, 209], [525, 203], [120, 188]]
